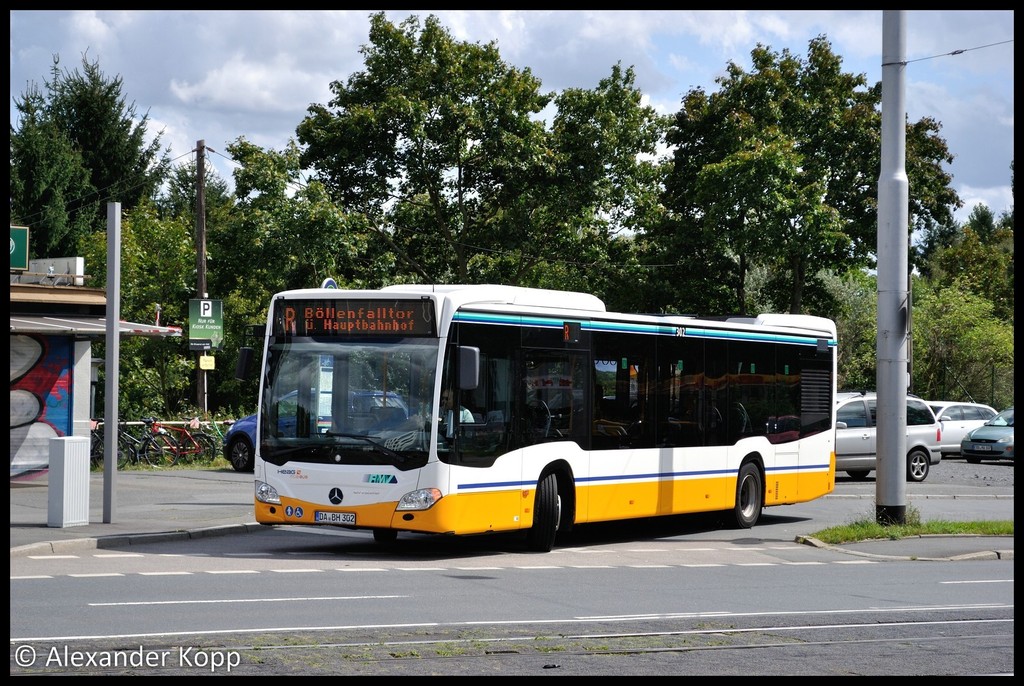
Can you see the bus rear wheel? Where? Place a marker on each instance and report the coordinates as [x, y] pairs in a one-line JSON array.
[[547, 510], [749, 496]]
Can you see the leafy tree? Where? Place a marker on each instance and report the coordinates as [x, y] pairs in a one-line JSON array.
[[983, 222], [93, 127], [157, 267], [934, 236], [179, 199], [856, 317], [47, 179], [983, 269], [962, 349], [422, 140], [782, 165], [283, 233], [438, 147]]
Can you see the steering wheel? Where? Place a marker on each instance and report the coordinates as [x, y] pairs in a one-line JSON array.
[[540, 416]]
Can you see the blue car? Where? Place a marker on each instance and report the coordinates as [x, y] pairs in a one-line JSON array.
[[240, 439], [993, 440], [240, 444]]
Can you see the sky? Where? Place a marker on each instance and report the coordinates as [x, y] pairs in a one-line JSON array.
[[217, 76]]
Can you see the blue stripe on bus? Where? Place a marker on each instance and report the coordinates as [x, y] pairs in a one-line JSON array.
[[624, 327], [635, 477]]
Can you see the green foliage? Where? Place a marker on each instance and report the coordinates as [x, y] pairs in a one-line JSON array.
[[47, 180], [772, 170], [962, 349], [438, 147], [433, 165], [984, 268], [79, 147]]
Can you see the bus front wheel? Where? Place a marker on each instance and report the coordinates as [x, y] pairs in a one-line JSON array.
[[749, 496], [547, 506]]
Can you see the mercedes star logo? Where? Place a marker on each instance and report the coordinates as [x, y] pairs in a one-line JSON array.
[[335, 496]]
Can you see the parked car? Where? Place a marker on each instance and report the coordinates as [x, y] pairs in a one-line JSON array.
[[957, 418], [240, 438], [993, 440], [856, 440], [240, 444]]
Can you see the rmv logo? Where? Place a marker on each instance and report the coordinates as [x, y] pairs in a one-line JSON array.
[[380, 479]]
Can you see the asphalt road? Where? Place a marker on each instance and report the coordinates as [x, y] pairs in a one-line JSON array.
[[956, 619]]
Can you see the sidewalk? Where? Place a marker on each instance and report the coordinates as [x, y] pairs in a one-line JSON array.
[[171, 503], [150, 505]]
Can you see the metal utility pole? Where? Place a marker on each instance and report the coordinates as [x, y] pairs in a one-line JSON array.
[[201, 258], [112, 386], [893, 295]]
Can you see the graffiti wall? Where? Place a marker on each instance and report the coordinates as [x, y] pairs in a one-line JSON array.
[[42, 369]]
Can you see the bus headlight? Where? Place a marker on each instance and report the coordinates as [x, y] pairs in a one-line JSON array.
[[265, 493], [422, 499]]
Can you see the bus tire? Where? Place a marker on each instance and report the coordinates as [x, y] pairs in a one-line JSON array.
[[749, 496], [546, 513]]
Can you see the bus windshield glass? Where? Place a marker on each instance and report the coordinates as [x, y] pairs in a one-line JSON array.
[[352, 400]]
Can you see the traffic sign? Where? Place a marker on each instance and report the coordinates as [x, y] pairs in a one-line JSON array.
[[19, 248], [206, 323]]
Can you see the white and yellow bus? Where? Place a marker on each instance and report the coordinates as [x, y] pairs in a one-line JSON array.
[[578, 414]]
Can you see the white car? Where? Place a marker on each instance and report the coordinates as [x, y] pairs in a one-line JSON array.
[[856, 442], [957, 419]]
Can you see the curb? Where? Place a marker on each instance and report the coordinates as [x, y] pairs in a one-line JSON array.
[[997, 554], [75, 545]]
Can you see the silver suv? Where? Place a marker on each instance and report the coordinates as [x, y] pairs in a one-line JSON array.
[[856, 440]]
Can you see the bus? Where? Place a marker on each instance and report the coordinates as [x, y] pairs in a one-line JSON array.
[[579, 415]]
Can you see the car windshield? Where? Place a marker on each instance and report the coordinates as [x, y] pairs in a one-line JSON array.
[[1004, 418]]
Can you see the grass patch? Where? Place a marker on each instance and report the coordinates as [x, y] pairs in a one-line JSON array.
[[869, 529]]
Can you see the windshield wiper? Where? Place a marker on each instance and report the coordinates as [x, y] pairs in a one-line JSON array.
[[310, 448], [397, 457]]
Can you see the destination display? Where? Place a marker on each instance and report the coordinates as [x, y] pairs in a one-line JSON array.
[[354, 318]]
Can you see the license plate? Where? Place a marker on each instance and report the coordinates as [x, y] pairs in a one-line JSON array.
[[336, 518], [982, 447]]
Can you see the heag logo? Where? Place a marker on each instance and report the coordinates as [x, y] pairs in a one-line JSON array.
[[380, 479]]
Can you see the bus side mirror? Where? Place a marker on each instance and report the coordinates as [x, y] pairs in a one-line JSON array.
[[469, 367], [244, 365]]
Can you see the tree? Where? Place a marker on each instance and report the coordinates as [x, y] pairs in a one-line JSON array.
[[438, 147], [985, 269], [962, 348], [84, 125], [179, 198], [782, 164], [856, 317], [157, 267], [47, 179]]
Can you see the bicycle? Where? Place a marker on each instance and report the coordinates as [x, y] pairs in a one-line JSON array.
[[126, 445], [219, 434], [157, 446], [192, 444], [154, 447]]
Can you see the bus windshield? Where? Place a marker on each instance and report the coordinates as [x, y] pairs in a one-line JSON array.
[[348, 401]]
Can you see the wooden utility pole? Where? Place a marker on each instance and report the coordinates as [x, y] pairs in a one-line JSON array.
[[201, 258]]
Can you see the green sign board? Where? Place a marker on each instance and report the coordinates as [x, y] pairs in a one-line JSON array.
[[19, 247], [205, 324]]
